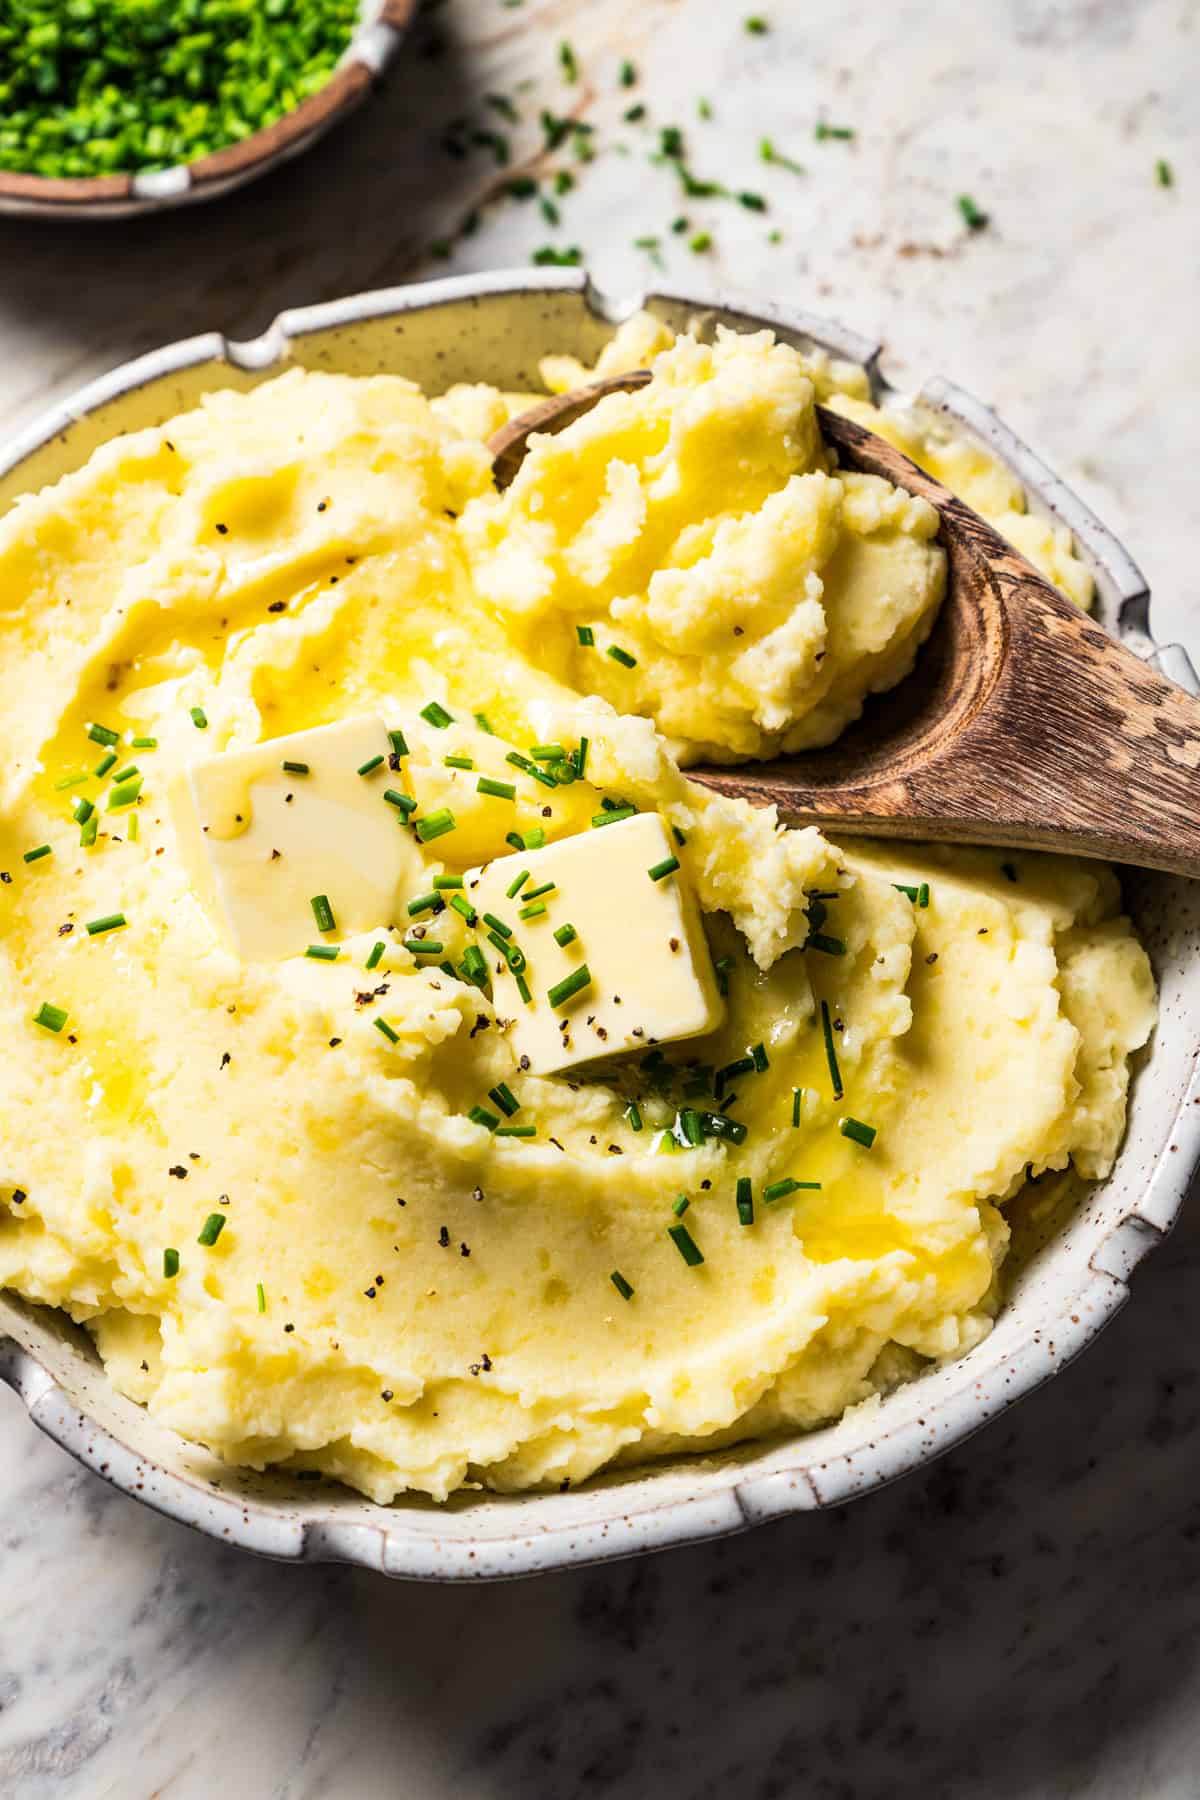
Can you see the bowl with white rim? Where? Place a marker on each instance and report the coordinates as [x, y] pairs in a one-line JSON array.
[[381, 29], [1070, 1275]]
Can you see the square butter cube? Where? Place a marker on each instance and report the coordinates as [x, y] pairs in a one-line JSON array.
[[641, 940], [260, 842]]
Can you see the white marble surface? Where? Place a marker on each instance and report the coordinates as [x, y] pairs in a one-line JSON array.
[[1024, 1618]]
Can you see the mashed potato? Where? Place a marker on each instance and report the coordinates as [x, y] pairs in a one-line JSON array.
[[393, 1294]]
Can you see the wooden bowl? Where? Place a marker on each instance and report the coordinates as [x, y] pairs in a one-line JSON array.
[[383, 25]]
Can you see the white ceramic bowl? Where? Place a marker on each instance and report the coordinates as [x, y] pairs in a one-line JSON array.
[[382, 26], [494, 327]]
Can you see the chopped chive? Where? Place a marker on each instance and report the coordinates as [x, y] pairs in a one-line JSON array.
[[434, 714], [534, 910], [622, 1286], [458, 762], [260, 1296], [721, 969], [518, 884], [569, 61], [125, 795], [692, 1126], [549, 752], [586, 636], [720, 1125], [797, 1103], [533, 840], [621, 656], [760, 1059], [745, 1200], [499, 790], [322, 912], [1163, 173], [512, 954], [425, 903], [581, 756], [1009, 869], [479, 1115], [828, 946], [32, 856], [857, 1131], [403, 803], [435, 824], [398, 742], [110, 922], [100, 734], [536, 893], [369, 767], [88, 831], [835, 1074], [481, 719], [523, 990], [447, 881], [521, 1131], [974, 219], [463, 908], [565, 934], [633, 1114], [752, 202], [125, 774], [131, 828], [82, 810], [295, 768], [741, 1065], [614, 817], [824, 132], [323, 952], [497, 925], [393, 1037], [523, 763], [143, 743], [570, 985], [199, 718], [52, 1017], [70, 781], [770, 154], [779, 1190], [104, 765], [902, 887], [211, 1230], [503, 1097], [923, 894], [376, 956], [662, 869], [701, 242], [680, 1205], [473, 968], [680, 836], [756, 25], [423, 947], [628, 74], [170, 1264], [686, 1245]]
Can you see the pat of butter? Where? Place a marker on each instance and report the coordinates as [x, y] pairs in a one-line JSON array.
[[261, 842], [641, 941]]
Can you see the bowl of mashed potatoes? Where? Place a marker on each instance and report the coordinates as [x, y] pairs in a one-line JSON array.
[[442, 1133]]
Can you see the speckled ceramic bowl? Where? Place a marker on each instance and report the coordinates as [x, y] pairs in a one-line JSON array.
[[1071, 1272], [384, 23]]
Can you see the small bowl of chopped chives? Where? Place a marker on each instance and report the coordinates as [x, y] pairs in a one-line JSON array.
[[109, 110]]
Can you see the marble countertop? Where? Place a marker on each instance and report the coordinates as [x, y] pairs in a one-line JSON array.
[[1023, 1618]]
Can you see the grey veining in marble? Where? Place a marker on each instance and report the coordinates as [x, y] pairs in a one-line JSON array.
[[1024, 1618]]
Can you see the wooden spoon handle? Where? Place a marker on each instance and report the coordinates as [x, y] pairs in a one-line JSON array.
[[1050, 734]]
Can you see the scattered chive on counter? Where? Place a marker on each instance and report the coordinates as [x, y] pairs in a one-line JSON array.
[[100, 87]]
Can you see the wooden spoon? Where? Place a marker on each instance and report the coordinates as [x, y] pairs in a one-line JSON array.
[[1023, 724]]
